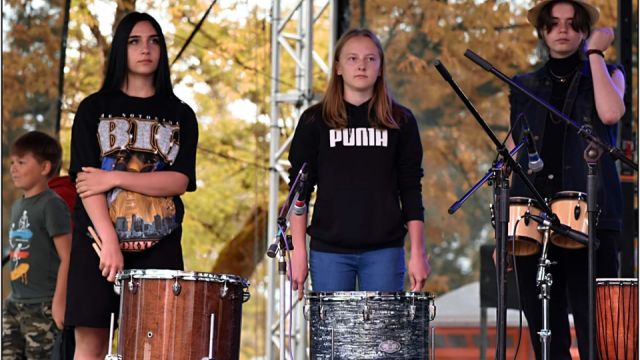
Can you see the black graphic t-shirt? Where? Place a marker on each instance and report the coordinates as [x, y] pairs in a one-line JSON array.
[[125, 133]]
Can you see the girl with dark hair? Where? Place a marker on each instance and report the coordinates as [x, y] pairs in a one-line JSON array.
[[576, 80], [133, 149], [363, 152]]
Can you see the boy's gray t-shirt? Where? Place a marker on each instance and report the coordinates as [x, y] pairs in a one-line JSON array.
[[34, 261]]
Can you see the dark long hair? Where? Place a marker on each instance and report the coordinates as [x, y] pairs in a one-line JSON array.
[[117, 68]]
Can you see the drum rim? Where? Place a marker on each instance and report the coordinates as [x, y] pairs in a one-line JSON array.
[[617, 280], [360, 295], [164, 274], [523, 200], [569, 194]]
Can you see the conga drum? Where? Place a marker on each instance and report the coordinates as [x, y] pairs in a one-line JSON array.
[[170, 314], [617, 318]]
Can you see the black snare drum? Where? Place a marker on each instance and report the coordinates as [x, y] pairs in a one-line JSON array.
[[369, 325]]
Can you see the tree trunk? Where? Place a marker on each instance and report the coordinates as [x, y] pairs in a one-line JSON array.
[[241, 255]]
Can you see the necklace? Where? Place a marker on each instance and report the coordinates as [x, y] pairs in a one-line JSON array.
[[561, 79]]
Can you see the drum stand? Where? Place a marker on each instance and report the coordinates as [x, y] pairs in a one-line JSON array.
[[544, 281], [110, 355]]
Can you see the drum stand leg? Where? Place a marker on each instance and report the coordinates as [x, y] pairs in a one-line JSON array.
[[544, 281], [110, 355]]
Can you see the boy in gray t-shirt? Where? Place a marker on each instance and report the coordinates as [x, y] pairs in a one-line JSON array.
[[40, 240]]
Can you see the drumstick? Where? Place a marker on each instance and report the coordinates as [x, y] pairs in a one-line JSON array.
[[97, 244], [96, 248], [95, 236]]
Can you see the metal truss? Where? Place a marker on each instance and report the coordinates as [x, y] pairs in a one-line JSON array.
[[299, 47]]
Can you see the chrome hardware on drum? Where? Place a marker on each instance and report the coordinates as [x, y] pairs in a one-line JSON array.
[[369, 325], [571, 209], [617, 318], [170, 314], [525, 237]]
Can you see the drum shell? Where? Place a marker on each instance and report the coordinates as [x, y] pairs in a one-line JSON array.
[[526, 235], [158, 322], [617, 318], [366, 325], [571, 209]]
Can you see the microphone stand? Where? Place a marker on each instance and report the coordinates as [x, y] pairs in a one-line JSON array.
[[281, 247], [456, 205], [501, 198], [592, 154], [544, 281]]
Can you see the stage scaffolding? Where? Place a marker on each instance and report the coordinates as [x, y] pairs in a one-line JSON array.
[[298, 46]]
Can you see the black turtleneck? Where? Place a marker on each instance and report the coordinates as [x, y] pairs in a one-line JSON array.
[[561, 71]]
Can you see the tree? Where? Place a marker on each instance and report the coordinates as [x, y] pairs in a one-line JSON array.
[[31, 47]]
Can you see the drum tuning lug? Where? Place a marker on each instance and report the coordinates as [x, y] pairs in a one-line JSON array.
[[432, 310], [305, 312], [177, 288], [323, 312], [133, 287], [412, 312], [366, 313], [224, 290], [576, 212], [245, 296]]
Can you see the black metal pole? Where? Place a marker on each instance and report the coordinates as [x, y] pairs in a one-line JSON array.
[[63, 56], [502, 222], [627, 24], [592, 155]]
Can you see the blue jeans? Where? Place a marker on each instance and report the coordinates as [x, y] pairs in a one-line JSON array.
[[376, 270]]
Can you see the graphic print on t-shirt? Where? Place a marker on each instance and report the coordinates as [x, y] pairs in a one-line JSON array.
[[358, 137], [140, 145], [20, 242]]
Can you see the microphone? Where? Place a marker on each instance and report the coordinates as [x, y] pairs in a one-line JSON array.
[[273, 249], [561, 229], [535, 161], [299, 205]]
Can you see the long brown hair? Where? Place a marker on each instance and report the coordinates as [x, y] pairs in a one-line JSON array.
[[381, 104]]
